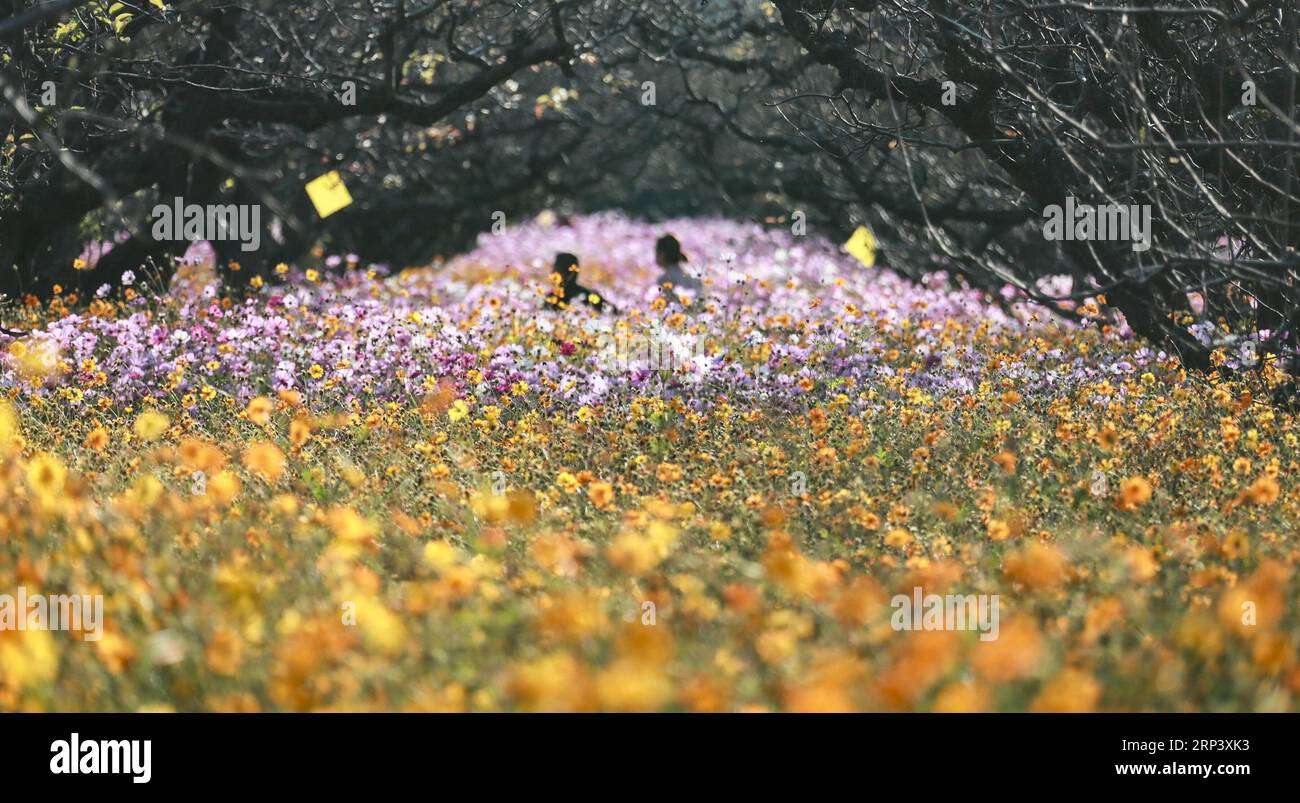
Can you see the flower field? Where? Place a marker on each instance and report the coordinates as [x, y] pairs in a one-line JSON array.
[[358, 488]]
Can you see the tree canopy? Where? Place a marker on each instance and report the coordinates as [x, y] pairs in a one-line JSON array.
[[949, 128]]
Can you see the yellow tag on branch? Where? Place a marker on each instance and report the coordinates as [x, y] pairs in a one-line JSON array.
[[328, 194], [862, 246]]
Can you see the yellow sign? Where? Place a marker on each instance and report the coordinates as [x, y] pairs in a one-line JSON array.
[[862, 245], [328, 194]]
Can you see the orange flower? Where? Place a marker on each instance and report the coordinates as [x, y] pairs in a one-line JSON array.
[[601, 494], [1014, 654], [862, 599], [1108, 437], [224, 652], [266, 460], [1037, 566], [1142, 564], [1006, 461], [926, 657], [669, 472], [829, 686], [898, 537], [1070, 691], [1264, 491], [299, 431], [1134, 492], [97, 439], [961, 698]]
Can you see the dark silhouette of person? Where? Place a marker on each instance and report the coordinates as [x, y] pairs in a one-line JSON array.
[[669, 256], [567, 289]]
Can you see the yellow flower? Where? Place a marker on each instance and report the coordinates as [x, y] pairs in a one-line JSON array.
[[46, 475], [633, 686], [998, 530], [555, 683], [27, 657], [150, 425], [522, 507], [632, 553], [350, 526], [441, 555], [382, 630], [146, 490], [567, 482], [259, 410], [223, 488], [8, 425]]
